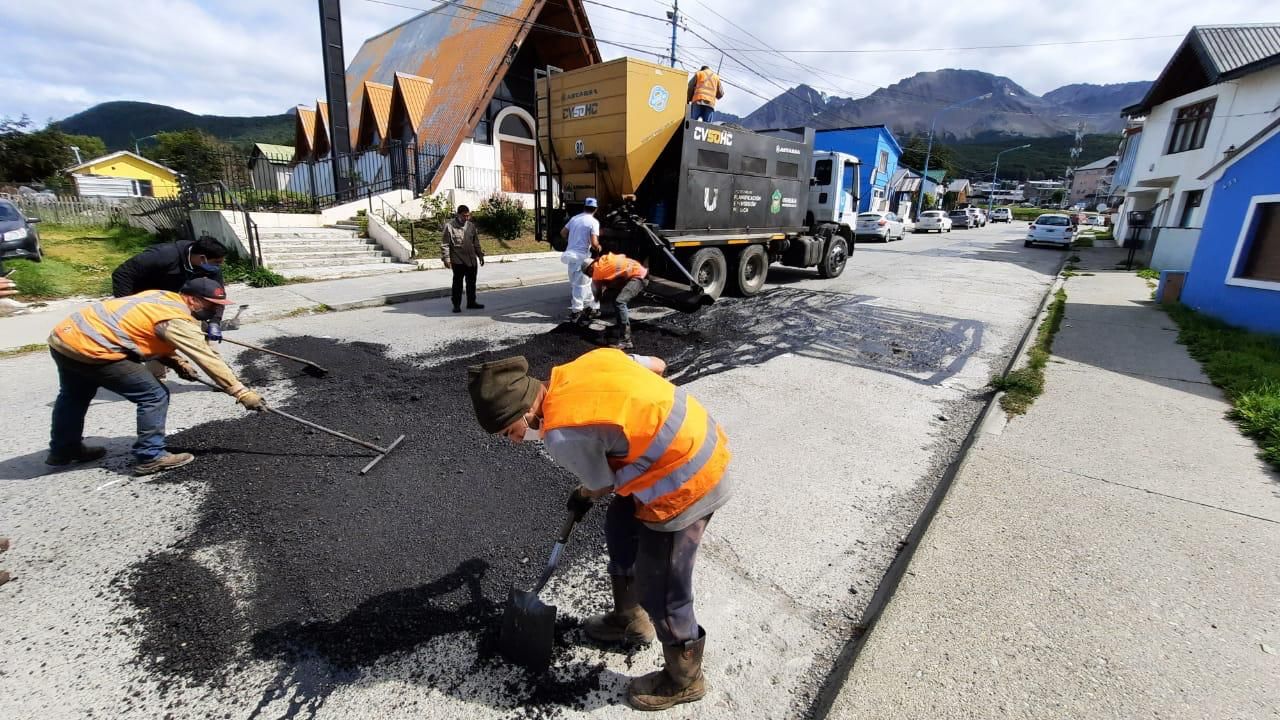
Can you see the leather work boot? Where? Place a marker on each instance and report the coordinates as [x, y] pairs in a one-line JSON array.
[[167, 461], [681, 681], [628, 624], [82, 454]]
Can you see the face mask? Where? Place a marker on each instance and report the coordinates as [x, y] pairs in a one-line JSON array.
[[533, 434], [205, 314], [209, 268]]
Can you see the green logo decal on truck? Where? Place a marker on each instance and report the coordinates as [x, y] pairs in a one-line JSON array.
[[775, 206]]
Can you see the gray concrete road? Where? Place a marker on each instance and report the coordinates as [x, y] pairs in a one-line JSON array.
[[860, 392]]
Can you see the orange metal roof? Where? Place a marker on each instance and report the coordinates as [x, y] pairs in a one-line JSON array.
[[463, 48], [322, 128], [378, 97], [304, 132]]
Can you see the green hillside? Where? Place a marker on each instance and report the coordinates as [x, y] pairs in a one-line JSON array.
[[1047, 158], [118, 123]]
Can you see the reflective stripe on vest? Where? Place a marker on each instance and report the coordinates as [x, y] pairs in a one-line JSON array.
[[102, 331], [704, 88], [611, 266], [676, 451]]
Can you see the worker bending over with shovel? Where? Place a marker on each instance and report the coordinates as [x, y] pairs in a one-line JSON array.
[[105, 346], [615, 422], [618, 279]]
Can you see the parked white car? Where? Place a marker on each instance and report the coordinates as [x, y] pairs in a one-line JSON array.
[[933, 220], [1050, 229], [1001, 214], [883, 225], [979, 216]]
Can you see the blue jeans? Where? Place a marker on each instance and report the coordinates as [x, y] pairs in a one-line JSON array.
[[661, 563], [79, 382], [700, 112]]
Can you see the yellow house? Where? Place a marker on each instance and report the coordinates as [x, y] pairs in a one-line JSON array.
[[124, 174]]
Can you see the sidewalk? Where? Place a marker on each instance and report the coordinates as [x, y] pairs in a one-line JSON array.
[[345, 294], [1111, 554]]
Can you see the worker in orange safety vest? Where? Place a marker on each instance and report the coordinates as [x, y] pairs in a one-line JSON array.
[[618, 279], [613, 421], [704, 90], [106, 344]]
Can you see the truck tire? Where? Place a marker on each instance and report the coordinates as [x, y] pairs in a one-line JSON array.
[[709, 267], [750, 269], [835, 258]]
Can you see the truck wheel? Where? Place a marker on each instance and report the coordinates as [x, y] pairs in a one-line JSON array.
[[750, 270], [709, 267], [835, 259]]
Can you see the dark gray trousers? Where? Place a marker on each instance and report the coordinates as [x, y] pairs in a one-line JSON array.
[[661, 563]]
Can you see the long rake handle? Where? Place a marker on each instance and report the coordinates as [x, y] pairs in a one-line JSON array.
[[259, 348]]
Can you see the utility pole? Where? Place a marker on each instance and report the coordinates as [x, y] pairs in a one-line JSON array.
[[335, 90], [674, 14]]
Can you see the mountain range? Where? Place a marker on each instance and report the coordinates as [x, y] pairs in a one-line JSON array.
[[910, 105], [907, 106]]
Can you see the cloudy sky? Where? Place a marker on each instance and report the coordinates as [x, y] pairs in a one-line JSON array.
[[251, 57]]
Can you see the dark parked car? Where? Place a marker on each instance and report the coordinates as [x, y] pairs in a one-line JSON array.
[[18, 236], [962, 219]]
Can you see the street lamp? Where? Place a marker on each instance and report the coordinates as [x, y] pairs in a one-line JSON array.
[[136, 151], [995, 179], [929, 152]]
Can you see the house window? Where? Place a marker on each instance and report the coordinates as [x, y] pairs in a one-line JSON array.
[[1190, 127], [882, 163], [1190, 201], [143, 188], [515, 126], [1260, 259]]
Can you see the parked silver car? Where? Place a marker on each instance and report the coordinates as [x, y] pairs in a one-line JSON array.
[[883, 225], [962, 219]]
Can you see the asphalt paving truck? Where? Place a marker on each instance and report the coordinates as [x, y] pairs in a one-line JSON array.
[[708, 207]]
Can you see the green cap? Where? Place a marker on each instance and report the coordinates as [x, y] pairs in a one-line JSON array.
[[501, 391]]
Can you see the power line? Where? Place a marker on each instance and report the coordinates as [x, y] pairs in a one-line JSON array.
[[880, 51]]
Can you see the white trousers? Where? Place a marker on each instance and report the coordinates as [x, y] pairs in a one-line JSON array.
[[580, 295]]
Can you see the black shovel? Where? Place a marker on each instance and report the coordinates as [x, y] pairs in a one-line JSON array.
[[529, 625]]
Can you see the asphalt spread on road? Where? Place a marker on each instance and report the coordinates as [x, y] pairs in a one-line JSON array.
[[296, 561]]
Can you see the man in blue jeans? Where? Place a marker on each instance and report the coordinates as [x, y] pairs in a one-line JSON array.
[[106, 345]]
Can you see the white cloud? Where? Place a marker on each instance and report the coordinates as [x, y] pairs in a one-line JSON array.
[[252, 57]]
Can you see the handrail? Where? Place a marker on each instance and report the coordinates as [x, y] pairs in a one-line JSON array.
[[250, 227], [413, 250]]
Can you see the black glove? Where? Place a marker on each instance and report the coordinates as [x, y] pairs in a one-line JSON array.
[[578, 504], [481, 261]]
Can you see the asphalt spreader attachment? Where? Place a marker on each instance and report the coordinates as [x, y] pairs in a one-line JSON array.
[[382, 452]]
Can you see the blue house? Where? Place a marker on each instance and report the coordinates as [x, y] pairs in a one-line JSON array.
[[1235, 272], [878, 150]]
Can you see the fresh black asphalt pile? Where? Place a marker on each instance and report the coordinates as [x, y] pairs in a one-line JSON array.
[[345, 572]]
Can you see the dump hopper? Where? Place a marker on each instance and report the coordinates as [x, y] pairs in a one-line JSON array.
[[604, 126]]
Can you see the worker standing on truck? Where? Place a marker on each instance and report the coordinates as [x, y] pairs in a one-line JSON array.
[[105, 345], [618, 279], [615, 422], [583, 234], [704, 90], [169, 266]]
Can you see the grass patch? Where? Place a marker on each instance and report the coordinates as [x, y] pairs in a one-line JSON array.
[[1021, 387], [313, 310], [1149, 274], [426, 244], [78, 261], [237, 269], [22, 350], [1083, 241], [1246, 365]]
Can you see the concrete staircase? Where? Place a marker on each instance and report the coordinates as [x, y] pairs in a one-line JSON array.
[[334, 251]]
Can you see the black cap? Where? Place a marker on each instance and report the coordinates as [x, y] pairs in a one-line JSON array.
[[206, 288]]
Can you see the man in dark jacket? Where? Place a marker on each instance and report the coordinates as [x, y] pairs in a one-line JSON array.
[[461, 252], [169, 266]]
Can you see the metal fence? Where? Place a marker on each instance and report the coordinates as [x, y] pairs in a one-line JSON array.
[[270, 183]]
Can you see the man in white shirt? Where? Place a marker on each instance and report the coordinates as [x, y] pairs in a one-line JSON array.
[[583, 234]]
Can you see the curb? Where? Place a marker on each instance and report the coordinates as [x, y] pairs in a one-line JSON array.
[[839, 674], [431, 293]]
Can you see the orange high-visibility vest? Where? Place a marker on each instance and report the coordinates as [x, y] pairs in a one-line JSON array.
[[611, 266], [676, 451], [124, 327], [706, 86]]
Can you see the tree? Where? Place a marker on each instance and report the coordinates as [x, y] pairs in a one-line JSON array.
[[1057, 197], [916, 147], [194, 153], [930, 201], [30, 155]]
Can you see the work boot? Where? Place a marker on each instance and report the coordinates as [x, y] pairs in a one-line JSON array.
[[474, 306], [625, 342], [681, 681], [628, 624], [82, 454], [167, 461], [457, 308]]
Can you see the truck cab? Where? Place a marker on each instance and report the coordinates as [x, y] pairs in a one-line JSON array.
[[833, 194]]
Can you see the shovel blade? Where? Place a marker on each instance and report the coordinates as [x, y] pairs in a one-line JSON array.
[[528, 630]]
